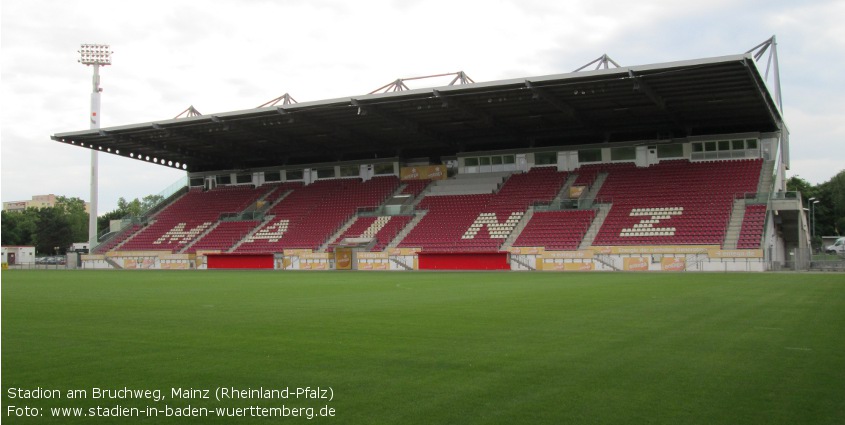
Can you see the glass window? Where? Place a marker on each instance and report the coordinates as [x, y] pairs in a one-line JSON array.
[[496, 160], [623, 154], [325, 173], [671, 151], [471, 162], [484, 160], [548, 158], [244, 178], [197, 181], [698, 147], [350, 171], [224, 179], [382, 169], [293, 174], [508, 159], [710, 146], [589, 155], [751, 144], [724, 145], [737, 145], [272, 176]]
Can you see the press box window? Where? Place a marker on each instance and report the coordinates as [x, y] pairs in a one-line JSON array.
[[589, 155], [549, 158], [623, 154], [350, 171], [383, 169], [672, 151], [293, 174], [325, 173]]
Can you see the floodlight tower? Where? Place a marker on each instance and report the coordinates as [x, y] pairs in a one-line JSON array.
[[95, 55]]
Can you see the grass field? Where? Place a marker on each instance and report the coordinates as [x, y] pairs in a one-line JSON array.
[[433, 348]]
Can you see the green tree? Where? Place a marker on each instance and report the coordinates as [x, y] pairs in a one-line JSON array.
[[54, 233], [73, 210], [133, 208], [797, 184], [18, 227], [829, 211]]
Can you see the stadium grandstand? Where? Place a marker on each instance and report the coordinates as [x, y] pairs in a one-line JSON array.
[[669, 166]]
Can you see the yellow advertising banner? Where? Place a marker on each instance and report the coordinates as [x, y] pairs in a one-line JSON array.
[[735, 253], [343, 259], [653, 249], [423, 172], [305, 265], [568, 254], [174, 266], [635, 263], [575, 192], [673, 264], [297, 251], [315, 256], [569, 267], [373, 266], [525, 250], [373, 255], [404, 251], [133, 263]]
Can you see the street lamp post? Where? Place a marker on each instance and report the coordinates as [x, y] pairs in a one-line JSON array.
[[95, 55], [813, 205]]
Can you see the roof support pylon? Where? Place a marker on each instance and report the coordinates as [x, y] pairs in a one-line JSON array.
[[758, 51], [285, 99], [602, 61], [399, 85], [190, 112]]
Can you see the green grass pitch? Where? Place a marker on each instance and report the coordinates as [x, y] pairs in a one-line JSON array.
[[433, 348]]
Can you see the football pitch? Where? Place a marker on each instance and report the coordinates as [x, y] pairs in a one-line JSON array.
[[422, 348]]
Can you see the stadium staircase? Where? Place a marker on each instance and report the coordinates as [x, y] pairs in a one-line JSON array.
[[113, 263], [598, 221], [766, 180], [595, 188], [418, 216], [199, 237], [563, 194], [527, 266], [518, 230], [735, 224], [336, 237]]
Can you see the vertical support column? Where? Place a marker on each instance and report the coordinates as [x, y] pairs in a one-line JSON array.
[[95, 124]]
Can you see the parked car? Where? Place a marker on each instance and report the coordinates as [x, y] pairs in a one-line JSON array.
[[838, 247]]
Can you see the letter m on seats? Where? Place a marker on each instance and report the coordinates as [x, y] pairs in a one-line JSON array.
[[179, 235], [496, 229]]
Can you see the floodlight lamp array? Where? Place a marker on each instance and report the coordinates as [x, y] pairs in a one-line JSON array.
[[95, 54]]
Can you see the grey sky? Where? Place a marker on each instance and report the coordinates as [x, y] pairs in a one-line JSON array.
[[224, 55]]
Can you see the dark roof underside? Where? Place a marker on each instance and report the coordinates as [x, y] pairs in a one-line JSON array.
[[673, 100]]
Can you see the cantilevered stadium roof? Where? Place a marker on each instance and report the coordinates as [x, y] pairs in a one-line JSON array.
[[650, 102]]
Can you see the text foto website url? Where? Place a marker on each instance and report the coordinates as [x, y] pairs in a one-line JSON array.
[[190, 411]]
